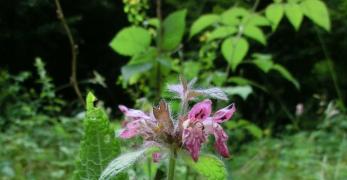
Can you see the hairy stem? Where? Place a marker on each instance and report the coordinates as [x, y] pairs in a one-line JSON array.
[[172, 164], [74, 52]]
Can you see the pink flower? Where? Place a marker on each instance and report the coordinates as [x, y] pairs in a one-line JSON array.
[[200, 124]]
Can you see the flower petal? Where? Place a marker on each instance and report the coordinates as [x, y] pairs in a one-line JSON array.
[[221, 138], [156, 157], [200, 111], [193, 137], [133, 114], [224, 114], [130, 130]]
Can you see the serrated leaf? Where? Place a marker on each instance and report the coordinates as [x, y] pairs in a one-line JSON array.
[[130, 41], [208, 166], [242, 91], [98, 146], [121, 163], [317, 11], [221, 32], [234, 50], [264, 64], [286, 74], [173, 27], [203, 22], [274, 12], [255, 33], [294, 14]]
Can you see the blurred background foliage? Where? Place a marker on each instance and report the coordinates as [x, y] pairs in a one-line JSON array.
[[291, 123]]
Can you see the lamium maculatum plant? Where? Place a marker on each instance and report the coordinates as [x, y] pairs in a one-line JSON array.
[[166, 136]]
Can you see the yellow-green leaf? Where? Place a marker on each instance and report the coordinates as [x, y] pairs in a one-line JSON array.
[[317, 11], [274, 13], [203, 22], [255, 33], [234, 50], [294, 14]]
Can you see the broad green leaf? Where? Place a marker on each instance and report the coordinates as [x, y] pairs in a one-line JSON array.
[[242, 91], [264, 64], [256, 20], [203, 22], [274, 13], [254, 130], [255, 33], [153, 22], [173, 27], [98, 146], [130, 41], [131, 70], [147, 56], [222, 32], [233, 16], [208, 166], [317, 11], [286, 74], [294, 14], [234, 50], [219, 78], [123, 162]]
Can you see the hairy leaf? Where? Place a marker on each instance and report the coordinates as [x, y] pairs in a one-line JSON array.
[[98, 146], [203, 22], [208, 166], [130, 41], [173, 26]]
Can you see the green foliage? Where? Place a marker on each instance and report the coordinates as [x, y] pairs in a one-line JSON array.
[[317, 11], [131, 41], [98, 145], [234, 50], [173, 27], [294, 14], [209, 166], [274, 12], [203, 22]]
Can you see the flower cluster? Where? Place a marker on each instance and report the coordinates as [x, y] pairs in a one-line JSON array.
[[189, 131]]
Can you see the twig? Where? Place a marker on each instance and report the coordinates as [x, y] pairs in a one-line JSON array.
[[74, 51], [159, 47]]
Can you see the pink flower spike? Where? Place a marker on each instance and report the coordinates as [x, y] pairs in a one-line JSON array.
[[200, 111], [156, 157], [221, 138], [224, 114], [130, 130], [193, 137]]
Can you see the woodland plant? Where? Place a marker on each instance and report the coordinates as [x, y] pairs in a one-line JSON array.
[[167, 136]]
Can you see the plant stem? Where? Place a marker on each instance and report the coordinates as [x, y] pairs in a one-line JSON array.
[[74, 52], [159, 48], [172, 164], [331, 69]]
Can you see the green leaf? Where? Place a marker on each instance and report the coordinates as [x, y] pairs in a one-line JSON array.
[[256, 20], [242, 91], [264, 64], [131, 70], [255, 33], [130, 41], [222, 32], [234, 50], [243, 81], [233, 16], [208, 166], [98, 146], [173, 27], [317, 11], [274, 13], [286, 74], [203, 22], [124, 161], [294, 14], [191, 69], [254, 130]]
